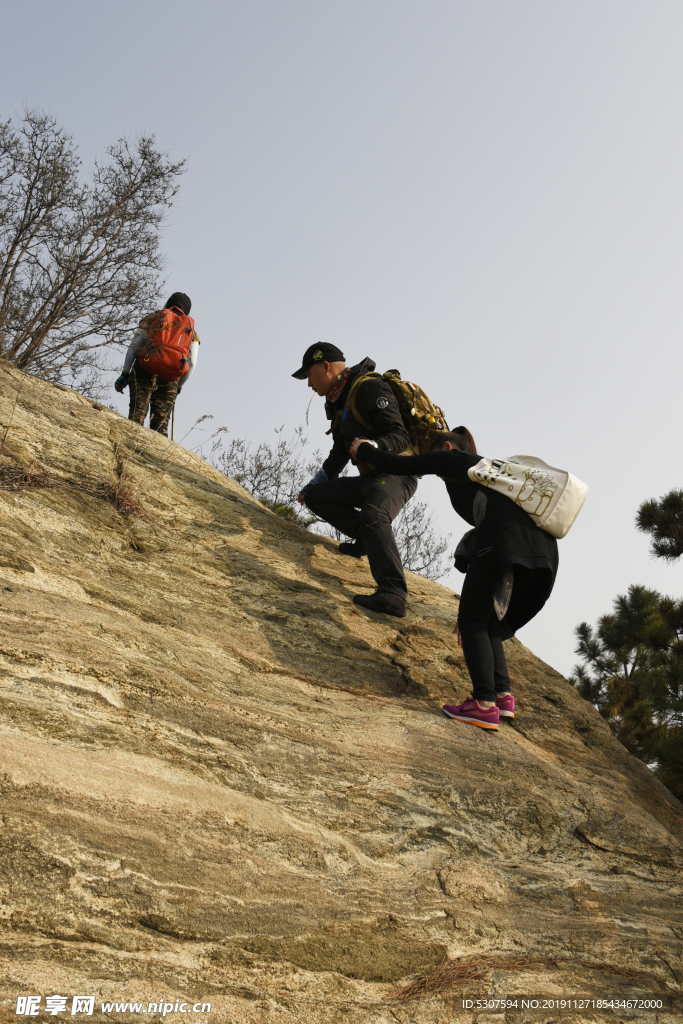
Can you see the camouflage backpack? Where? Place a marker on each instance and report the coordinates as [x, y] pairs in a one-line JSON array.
[[421, 417]]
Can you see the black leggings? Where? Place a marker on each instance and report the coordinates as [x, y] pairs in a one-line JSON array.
[[481, 632], [485, 660]]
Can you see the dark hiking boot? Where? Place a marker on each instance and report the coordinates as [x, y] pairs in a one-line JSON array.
[[355, 548], [382, 601]]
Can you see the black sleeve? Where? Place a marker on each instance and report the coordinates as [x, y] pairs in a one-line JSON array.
[[451, 464], [338, 457], [376, 403]]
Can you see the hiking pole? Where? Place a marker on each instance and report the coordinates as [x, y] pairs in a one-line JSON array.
[[172, 421]]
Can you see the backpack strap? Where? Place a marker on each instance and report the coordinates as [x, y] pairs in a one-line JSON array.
[[151, 330], [350, 402], [353, 409], [413, 448], [335, 421]]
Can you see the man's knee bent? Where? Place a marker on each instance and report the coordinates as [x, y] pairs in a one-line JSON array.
[[372, 519], [312, 501]]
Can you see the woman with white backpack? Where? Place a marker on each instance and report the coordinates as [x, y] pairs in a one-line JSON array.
[[510, 563]]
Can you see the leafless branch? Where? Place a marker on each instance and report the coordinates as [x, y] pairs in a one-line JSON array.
[[78, 261]]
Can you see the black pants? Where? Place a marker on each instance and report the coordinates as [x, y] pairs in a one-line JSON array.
[[364, 507], [480, 630]]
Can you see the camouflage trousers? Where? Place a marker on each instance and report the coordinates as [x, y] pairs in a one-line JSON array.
[[146, 390]]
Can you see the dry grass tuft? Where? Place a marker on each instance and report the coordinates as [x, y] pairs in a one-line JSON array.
[[121, 495], [454, 973], [14, 477]]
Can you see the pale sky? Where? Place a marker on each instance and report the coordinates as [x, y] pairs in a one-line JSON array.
[[484, 194]]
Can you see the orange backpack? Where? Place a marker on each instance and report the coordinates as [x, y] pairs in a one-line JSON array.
[[165, 353]]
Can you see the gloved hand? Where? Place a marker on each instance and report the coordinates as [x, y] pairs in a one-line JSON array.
[[320, 478], [121, 383]]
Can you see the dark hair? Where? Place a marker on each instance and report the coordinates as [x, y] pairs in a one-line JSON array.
[[181, 300], [460, 437]]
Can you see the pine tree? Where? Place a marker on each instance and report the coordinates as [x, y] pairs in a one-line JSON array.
[[663, 520], [618, 659], [632, 668]]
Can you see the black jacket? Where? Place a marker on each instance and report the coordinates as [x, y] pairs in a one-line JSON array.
[[376, 403], [501, 527]]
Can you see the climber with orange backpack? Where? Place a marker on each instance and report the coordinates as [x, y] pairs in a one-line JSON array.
[[159, 362]]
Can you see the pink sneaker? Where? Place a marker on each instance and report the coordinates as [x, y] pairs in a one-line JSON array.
[[472, 713], [506, 705]]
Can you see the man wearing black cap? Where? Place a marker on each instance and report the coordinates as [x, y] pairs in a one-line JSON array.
[[365, 506]]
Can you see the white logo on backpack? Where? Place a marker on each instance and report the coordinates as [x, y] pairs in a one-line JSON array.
[[552, 497]]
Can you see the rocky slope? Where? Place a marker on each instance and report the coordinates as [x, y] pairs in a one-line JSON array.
[[222, 781]]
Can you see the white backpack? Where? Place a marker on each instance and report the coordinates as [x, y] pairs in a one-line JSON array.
[[552, 497]]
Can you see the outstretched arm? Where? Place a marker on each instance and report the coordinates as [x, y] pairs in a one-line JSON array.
[[450, 464], [132, 352], [337, 459], [121, 382]]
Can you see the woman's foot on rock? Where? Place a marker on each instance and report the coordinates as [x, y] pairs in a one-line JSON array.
[[505, 703], [470, 712]]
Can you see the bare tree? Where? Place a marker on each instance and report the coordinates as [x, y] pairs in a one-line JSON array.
[[275, 474], [422, 549], [78, 261]]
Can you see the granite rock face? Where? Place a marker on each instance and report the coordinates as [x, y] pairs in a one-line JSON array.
[[223, 782]]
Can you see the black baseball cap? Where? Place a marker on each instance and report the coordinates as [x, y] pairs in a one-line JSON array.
[[321, 352]]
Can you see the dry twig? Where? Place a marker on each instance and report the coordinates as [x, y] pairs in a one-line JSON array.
[[453, 973], [121, 495], [9, 424], [14, 477]]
